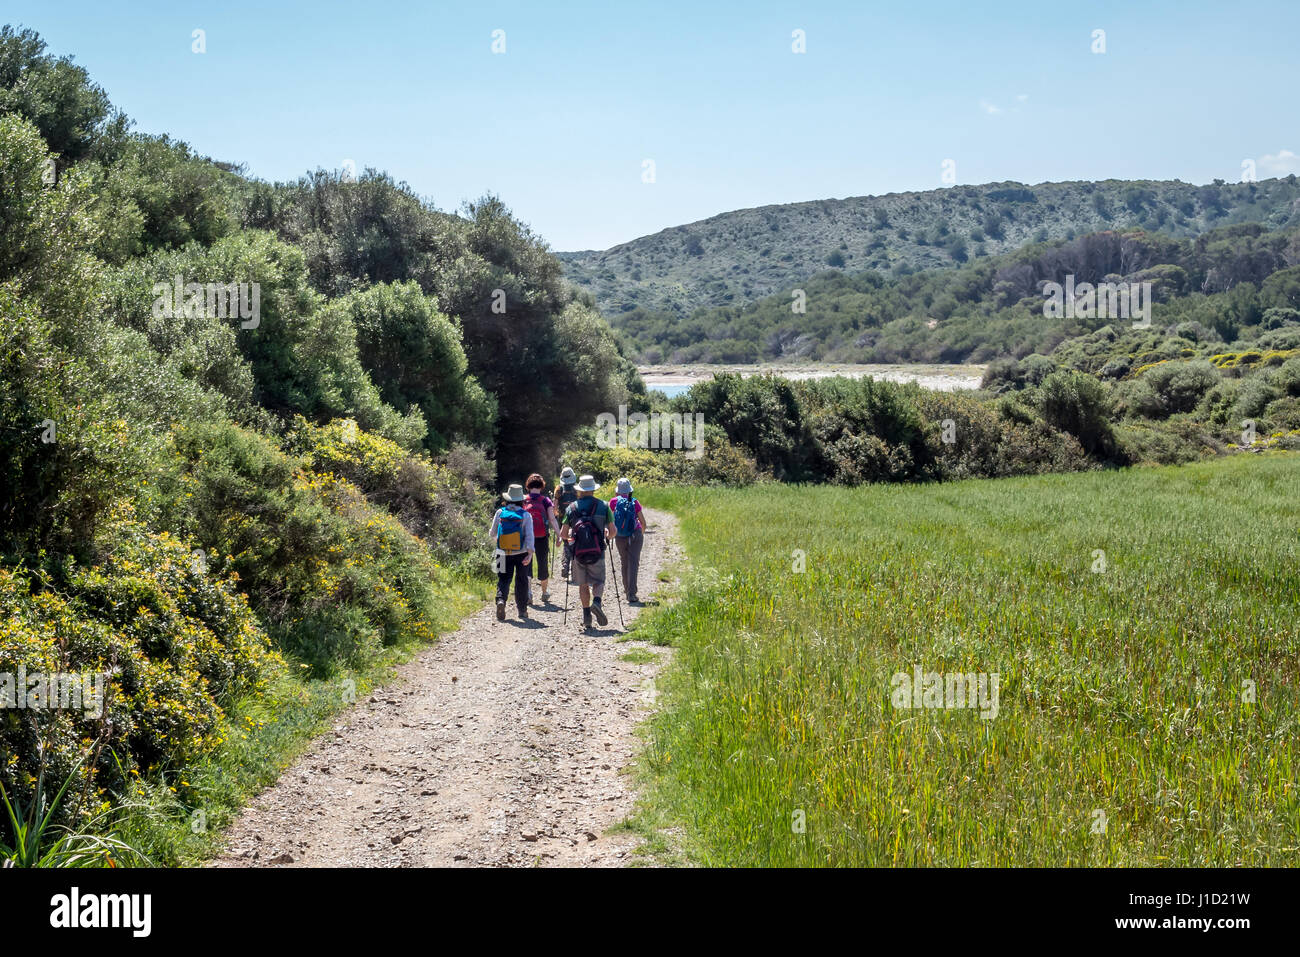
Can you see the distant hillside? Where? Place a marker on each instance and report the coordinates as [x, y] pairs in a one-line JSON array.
[[737, 257], [1232, 285]]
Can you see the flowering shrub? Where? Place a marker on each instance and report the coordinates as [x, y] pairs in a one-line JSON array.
[[440, 504], [332, 575], [173, 642]]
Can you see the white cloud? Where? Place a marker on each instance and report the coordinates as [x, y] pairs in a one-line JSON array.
[[1280, 163], [992, 109]]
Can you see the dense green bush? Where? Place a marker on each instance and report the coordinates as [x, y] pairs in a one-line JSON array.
[[1287, 377], [153, 193], [1178, 386], [46, 231], [854, 431], [1006, 374], [1138, 398], [720, 462], [297, 355], [865, 430], [1076, 403], [987, 444], [1252, 398], [66, 452], [333, 576], [414, 355], [543, 356], [1168, 442], [72, 114], [761, 414]]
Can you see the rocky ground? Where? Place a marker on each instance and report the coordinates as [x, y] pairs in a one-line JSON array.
[[505, 744]]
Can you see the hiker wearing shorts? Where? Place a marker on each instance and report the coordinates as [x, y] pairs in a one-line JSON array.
[[588, 525], [511, 533], [541, 511], [565, 495], [629, 535]]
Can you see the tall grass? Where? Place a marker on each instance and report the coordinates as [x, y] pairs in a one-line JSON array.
[[39, 842], [1126, 733]]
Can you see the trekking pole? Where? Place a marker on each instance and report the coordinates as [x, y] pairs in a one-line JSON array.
[[566, 601], [618, 600]]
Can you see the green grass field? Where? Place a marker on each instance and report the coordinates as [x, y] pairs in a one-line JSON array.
[[1148, 700]]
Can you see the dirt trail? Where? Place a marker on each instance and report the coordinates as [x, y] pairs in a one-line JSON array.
[[505, 743]]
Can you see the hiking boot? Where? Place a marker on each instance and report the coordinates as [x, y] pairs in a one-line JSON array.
[[598, 612], [546, 597], [586, 618], [523, 611], [501, 610]]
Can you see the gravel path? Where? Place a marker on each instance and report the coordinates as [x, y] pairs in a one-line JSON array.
[[506, 743]]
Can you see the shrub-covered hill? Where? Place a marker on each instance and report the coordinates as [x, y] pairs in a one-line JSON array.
[[1234, 282], [737, 257]]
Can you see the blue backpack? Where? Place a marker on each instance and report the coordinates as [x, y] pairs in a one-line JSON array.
[[625, 516], [510, 530]]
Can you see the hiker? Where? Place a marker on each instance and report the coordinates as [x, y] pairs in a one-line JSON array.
[[629, 535], [542, 512], [512, 534], [566, 495], [588, 525]]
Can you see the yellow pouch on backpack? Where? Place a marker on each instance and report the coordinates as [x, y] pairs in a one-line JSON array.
[[512, 518]]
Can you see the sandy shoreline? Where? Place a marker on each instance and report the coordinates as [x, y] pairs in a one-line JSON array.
[[946, 378]]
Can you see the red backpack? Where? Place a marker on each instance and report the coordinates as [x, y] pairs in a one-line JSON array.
[[536, 505]]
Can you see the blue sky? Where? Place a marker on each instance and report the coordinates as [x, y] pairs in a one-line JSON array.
[[560, 124]]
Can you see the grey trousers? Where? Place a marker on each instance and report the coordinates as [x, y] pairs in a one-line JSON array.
[[629, 557]]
